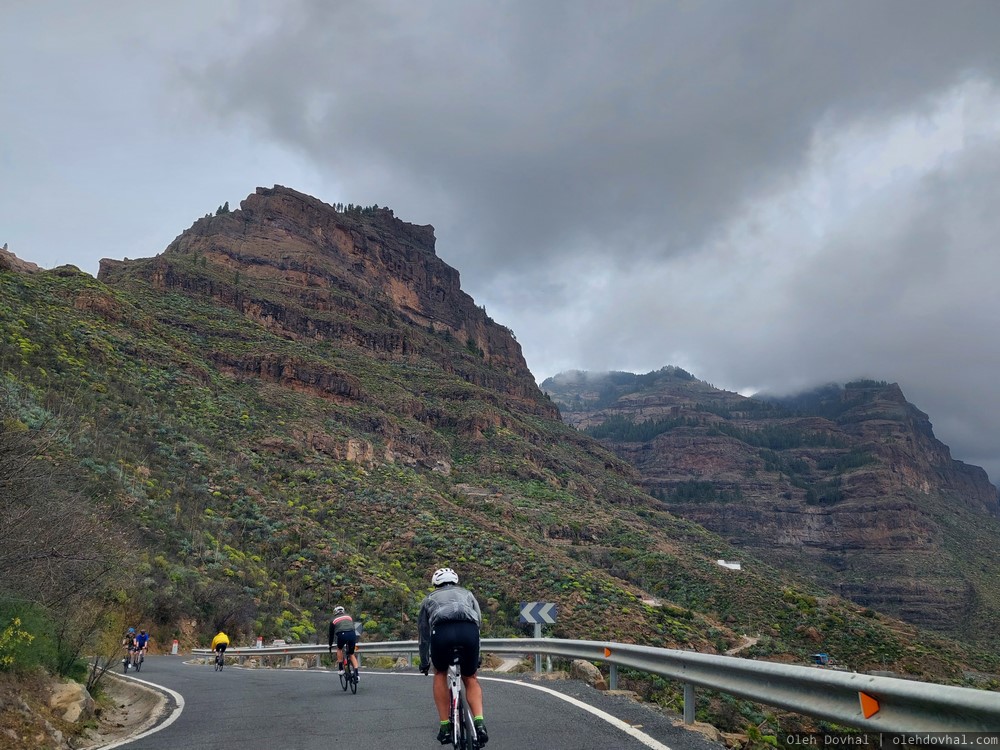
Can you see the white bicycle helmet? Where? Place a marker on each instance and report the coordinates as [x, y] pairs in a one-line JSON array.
[[338, 610], [444, 575]]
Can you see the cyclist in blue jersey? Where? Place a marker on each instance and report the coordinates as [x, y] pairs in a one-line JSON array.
[[449, 619], [142, 641]]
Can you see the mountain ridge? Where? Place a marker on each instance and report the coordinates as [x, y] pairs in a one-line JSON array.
[[846, 481]]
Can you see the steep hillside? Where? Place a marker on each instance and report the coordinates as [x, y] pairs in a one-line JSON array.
[[298, 407], [846, 484]]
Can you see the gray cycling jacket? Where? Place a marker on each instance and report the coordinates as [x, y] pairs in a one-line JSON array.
[[446, 604]]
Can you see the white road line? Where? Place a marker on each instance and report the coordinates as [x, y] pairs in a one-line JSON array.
[[624, 726], [163, 725], [630, 730]]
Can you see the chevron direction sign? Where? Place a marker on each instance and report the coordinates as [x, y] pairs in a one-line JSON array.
[[538, 612]]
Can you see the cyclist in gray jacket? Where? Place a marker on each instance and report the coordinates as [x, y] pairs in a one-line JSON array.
[[449, 621]]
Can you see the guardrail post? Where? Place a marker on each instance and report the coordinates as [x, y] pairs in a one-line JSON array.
[[688, 703], [613, 677], [538, 655]]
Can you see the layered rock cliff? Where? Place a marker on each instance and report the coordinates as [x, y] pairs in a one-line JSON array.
[[357, 277], [848, 483]]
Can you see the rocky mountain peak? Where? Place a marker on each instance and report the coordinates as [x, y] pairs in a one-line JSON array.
[[355, 275]]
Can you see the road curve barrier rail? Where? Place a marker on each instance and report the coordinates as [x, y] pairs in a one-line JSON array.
[[868, 702]]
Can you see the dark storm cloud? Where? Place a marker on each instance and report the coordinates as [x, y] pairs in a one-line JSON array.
[[539, 131]]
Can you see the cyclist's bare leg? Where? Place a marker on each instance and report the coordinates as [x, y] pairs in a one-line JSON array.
[[354, 660], [474, 695], [442, 696], [340, 657]]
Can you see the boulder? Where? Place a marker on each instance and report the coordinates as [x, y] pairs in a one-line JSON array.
[[701, 727], [71, 701], [584, 670]]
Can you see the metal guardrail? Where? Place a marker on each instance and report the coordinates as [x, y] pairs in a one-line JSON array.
[[867, 702]]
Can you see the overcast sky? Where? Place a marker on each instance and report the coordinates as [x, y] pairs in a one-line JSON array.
[[772, 195]]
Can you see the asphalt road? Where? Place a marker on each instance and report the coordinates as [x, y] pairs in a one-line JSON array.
[[286, 709]]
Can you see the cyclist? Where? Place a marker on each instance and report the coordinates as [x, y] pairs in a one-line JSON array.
[[342, 631], [142, 642], [129, 642], [220, 643], [450, 618]]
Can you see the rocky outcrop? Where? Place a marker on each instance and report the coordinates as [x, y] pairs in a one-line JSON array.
[[357, 277], [71, 702], [847, 484], [10, 262]]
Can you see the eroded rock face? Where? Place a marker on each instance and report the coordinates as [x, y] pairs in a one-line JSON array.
[[10, 262], [859, 494], [361, 278]]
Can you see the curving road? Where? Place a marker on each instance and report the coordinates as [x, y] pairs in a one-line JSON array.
[[275, 709]]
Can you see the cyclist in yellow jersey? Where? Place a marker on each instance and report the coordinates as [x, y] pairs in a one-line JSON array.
[[220, 642]]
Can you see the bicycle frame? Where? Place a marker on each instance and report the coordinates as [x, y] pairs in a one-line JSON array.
[[349, 675], [462, 727]]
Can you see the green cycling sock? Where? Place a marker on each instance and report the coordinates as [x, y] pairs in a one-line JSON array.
[[446, 722], [477, 718]]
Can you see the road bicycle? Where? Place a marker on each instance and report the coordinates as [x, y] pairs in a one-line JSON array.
[[133, 658], [220, 660], [463, 728], [348, 674]]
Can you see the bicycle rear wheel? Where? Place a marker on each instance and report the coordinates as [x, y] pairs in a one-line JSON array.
[[354, 681], [466, 740], [472, 739], [344, 679]]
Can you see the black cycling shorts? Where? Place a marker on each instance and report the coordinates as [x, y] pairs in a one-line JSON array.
[[221, 647], [348, 638], [452, 635]]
